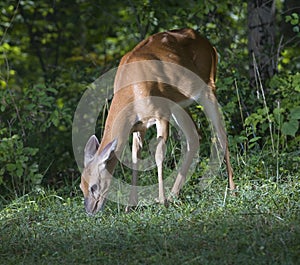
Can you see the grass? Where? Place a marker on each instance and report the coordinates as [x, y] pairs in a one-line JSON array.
[[259, 226]]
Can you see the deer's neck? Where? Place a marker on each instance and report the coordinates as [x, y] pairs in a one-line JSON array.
[[119, 122]]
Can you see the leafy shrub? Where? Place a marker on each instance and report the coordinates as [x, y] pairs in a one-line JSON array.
[[287, 115], [280, 117], [29, 117], [18, 169]]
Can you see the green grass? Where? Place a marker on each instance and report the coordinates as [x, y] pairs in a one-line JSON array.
[[259, 226]]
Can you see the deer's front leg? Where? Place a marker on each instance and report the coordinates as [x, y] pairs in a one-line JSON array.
[[162, 127], [137, 144]]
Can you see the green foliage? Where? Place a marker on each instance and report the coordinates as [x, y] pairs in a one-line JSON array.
[[288, 114], [50, 51], [294, 20], [31, 114], [255, 120], [276, 116], [19, 172]]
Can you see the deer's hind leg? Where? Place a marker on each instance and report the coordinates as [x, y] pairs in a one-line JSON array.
[[192, 136]]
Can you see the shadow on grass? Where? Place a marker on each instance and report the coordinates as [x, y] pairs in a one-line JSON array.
[[169, 236]]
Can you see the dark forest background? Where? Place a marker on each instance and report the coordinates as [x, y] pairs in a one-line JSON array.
[[51, 50]]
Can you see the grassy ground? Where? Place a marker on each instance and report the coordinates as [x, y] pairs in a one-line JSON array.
[[259, 226]]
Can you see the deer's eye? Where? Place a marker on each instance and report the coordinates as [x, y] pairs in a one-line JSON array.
[[94, 188]]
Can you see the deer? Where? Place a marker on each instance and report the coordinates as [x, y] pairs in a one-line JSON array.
[[136, 106]]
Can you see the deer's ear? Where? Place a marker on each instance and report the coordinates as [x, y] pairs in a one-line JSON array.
[[108, 151], [90, 149]]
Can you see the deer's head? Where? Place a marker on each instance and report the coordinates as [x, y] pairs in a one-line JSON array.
[[95, 178]]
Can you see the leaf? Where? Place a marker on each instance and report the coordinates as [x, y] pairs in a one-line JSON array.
[[30, 106], [11, 167], [295, 113], [288, 18], [53, 90], [19, 171], [290, 127], [296, 29], [242, 138], [296, 82], [255, 139]]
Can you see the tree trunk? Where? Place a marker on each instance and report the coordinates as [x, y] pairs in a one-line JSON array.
[[261, 41]]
